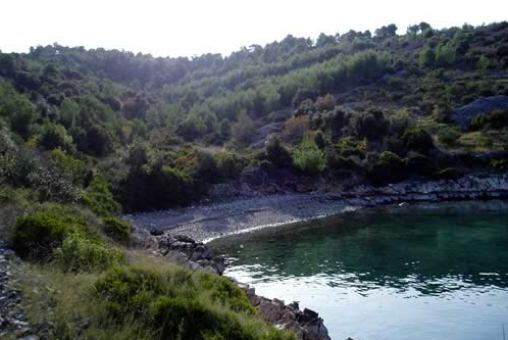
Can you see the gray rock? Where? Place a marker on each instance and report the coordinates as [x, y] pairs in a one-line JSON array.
[[463, 115]]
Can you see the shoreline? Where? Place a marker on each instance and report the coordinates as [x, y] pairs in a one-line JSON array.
[[205, 223], [179, 234]]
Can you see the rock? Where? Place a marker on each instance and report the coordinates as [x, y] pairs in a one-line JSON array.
[[156, 232], [309, 315], [30, 337], [184, 239], [13, 322], [187, 252], [463, 115], [307, 325]]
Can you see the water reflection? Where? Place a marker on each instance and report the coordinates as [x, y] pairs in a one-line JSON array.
[[433, 251], [441, 271]]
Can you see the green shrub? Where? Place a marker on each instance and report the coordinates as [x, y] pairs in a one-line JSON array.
[[400, 121], [442, 112], [55, 136], [371, 124], [117, 229], [72, 168], [172, 302], [81, 253], [338, 163], [445, 55], [308, 157], [18, 164], [229, 165], [426, 57], [38, 234], [478, 122], [417, 139], [223, 290], [448, 136], [320, 139], [389, 167], [156, 187], [295, 128], [206, 167], [17, 108], [419, 164], [348, 146], [276, 153], [497, 119], [63, 235], [243, 129], [98, 197]]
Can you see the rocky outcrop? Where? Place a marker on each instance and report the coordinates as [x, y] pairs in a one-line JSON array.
[[181, 249], [306, 324], [462, 116], [479, 186]]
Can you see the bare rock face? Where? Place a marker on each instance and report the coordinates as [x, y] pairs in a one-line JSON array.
[[306, 324]]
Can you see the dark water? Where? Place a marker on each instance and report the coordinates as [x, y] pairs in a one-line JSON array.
[[418, 272]]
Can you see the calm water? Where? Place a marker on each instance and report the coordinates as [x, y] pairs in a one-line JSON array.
[[426, 272]]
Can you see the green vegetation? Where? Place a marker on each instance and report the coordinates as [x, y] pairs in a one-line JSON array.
[[172, 303], [63, 235], [98, 197], [146, 299], [448, 136], [117, 229], [308, 158], [117, 131], [389, 166], [78, 283]]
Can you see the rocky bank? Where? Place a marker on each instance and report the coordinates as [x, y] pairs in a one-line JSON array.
[[183, 250]]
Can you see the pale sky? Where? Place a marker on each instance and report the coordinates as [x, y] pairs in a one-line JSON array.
[[193, 27]]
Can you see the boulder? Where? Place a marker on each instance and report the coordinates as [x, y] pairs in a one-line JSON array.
[[463, 115]]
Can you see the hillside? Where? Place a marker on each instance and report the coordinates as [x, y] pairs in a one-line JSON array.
[[354, 104], [87, 135]]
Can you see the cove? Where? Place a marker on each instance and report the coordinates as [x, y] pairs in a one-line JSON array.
[[427, 271]]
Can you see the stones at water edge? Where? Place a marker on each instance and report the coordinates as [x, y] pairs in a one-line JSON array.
[[306, 324], [183, 250]]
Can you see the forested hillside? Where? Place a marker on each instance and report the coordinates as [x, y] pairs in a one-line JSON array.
[[105, 126]]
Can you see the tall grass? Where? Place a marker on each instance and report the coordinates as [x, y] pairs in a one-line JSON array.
[[147, 299]]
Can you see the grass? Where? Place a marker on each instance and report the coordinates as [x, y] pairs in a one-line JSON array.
[[63, 305], [147, 299], [80, 282]]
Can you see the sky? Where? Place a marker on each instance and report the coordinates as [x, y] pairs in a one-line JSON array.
[[193, 27]]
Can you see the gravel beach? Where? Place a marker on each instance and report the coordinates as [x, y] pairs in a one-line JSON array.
[[209, 221]]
